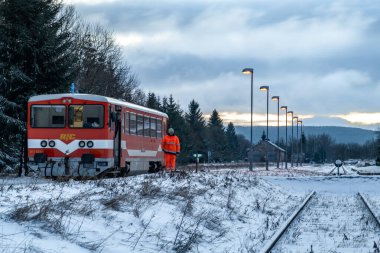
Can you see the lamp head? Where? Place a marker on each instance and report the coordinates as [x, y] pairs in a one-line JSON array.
[[284, 107], [295, 118], [264, 88], [247, 71], [276, 98], [290, 112]]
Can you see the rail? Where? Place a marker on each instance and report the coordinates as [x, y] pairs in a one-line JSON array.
[[270, 244], [369, 207]]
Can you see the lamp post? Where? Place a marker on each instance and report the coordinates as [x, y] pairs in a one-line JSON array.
[[291, 143], [266, 88], [277, 98], [249, 71], [296, 119], [300, 121], [285, 108]]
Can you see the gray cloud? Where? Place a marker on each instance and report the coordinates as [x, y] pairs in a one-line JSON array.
[[320, 57]]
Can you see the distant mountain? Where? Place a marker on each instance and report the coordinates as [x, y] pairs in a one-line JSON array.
[[339, 134]]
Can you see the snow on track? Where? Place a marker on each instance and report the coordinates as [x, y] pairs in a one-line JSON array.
[[331, 223]]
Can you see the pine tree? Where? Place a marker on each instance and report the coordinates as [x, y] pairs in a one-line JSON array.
[[36, 57], [216, 138], [10, 134], [197, 127], [195, 117], [36, 48], [153, 101], [232, 142]]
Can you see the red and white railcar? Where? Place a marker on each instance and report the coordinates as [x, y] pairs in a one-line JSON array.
[[89, 135]]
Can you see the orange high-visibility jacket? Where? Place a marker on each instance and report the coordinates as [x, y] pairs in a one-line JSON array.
[[170, 144]]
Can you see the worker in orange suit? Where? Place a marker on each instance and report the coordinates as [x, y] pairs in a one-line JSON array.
[[171, 147]]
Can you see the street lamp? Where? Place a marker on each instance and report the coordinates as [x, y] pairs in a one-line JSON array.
[[291, 143], [277, 98], [300, 121], [296, 119], [249, 71], [266, 88], [285, 108]]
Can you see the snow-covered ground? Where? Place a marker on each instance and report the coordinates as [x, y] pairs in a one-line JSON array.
[[223, 210]]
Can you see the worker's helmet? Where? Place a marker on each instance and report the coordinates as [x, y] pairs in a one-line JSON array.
[[171, 131]]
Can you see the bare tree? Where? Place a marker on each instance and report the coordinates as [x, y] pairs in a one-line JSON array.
[[102, 69]]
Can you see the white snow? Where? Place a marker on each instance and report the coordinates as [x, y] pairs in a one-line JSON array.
[[217, 211]]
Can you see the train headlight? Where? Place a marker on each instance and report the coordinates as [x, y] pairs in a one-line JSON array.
[[82, 144], [43, 144], [52, 144], [90, 144]]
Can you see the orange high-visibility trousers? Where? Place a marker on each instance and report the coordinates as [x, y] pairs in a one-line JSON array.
[[170, 162]]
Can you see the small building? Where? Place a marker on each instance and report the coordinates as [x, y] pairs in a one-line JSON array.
[[261, 149]]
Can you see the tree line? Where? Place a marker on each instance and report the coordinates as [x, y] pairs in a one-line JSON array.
[[45, 46], [210, 138], [322, 148]]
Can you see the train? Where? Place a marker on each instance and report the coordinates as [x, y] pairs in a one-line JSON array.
[[85, 135]]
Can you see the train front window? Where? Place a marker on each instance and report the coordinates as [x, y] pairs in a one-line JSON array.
[[49, 116], [86, 116]]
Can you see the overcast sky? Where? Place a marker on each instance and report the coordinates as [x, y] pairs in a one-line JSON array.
[[321, 57]]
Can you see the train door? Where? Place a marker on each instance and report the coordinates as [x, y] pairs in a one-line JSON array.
[[118, 137], [116, 122]]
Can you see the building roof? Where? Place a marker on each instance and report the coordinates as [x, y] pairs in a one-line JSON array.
[[98, 98], [272, 144]]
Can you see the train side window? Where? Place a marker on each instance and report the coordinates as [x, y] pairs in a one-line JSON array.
[[122, 122], [140, 125], [153, 132], [126, 117], [146, 126], [109, 117], [159, 128], [132, 124]]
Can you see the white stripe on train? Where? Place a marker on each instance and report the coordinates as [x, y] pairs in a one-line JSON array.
[[98, 144]]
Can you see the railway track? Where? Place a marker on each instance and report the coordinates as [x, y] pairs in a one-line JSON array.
[[328, 224]]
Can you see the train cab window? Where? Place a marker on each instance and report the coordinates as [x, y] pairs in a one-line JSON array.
[[52, 116], [153, 128], [132, 124], [140, 125], [86, 116], [146, 126], [159, 128]]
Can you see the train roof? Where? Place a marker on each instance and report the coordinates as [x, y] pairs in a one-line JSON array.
[[99, 98]]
